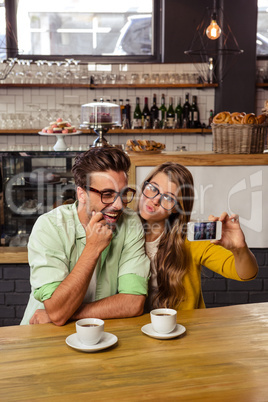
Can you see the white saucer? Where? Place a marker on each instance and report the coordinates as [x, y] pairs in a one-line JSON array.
[[106, 341], [148, 330]]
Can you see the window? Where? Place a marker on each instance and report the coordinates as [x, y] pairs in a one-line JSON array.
[[87, 28], [2, 30], [262, 29]]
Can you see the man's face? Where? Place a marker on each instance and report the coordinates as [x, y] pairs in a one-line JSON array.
[[105, 181]]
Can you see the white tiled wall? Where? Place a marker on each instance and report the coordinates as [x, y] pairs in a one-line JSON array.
[[66, 102]]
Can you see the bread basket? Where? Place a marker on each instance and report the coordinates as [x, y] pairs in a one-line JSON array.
[[238, 138]]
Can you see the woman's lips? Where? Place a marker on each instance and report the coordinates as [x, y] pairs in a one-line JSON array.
[[149, 209]]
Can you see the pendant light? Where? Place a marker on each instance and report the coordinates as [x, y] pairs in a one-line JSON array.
[[211, 57], [213, 31]]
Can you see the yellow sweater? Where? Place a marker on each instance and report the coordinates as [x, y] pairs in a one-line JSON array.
[[213, 257]]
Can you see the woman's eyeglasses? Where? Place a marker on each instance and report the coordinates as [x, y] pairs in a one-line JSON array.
[[110, 196], [151, 191]]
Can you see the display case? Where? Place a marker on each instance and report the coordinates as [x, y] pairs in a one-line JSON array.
[[32, 183]]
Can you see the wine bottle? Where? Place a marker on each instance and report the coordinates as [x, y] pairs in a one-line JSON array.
[[210, 120], [210, 71], [122, 108], [157, 122], [128, 113], [163, 110], [146, 117], [124, 123], [170, 114], [195, 121], [154, 111], [178, 113], [164, 121], [136, 123], [186, 112]]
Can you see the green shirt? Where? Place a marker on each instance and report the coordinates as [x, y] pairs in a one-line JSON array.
[[56, 243]]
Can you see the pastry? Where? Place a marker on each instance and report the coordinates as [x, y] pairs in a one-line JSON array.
[[249, 118], [62, 123], [101, 118], [144, 145], [236, 118], [261, 118], [59, 127], [222, 118]]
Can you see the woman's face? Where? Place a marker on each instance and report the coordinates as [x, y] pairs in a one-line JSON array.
[[150, 208]]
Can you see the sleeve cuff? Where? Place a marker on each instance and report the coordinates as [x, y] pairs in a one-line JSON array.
[[46, 291], [133, 284]]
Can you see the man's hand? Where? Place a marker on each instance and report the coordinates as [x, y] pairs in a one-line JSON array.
[[98, 233], [40, 317]]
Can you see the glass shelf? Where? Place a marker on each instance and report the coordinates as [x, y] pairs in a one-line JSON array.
[[101, 86]]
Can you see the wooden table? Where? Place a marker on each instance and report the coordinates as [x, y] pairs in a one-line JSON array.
[[222, 357]]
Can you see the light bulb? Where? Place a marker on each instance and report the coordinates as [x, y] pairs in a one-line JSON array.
[[213, 30]]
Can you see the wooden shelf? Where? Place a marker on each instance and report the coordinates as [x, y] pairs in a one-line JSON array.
[[119, 131], [103, 86], [262, 84]]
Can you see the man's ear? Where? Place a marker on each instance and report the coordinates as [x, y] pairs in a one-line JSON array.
[[81, 195]]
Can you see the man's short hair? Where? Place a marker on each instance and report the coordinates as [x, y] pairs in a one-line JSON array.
[[99, 159]]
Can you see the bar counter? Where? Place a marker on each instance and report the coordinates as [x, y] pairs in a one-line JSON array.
[[222, 356], [199, 158]]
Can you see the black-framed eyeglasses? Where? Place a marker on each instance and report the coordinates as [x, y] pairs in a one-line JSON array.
[[151, 191], [110, 196]]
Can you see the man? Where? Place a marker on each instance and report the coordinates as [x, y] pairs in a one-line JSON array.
[[87, 259]]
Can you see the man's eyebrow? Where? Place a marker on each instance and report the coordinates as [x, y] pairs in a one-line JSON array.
[[166, 192], [108, 189]]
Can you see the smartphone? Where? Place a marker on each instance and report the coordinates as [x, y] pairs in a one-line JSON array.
[[205, 230]]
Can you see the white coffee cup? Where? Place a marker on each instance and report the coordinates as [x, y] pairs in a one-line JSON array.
[[89, 330], [164, 320]]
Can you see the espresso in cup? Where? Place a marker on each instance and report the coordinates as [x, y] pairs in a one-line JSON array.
[[164, 320], [162, 314], [89, 330]]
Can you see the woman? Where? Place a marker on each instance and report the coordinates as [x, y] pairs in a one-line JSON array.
[[165, 207]]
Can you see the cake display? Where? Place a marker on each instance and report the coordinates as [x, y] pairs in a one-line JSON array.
[[100, 114], [100, 118]]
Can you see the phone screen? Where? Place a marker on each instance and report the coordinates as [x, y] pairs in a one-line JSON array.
[[205, 231]]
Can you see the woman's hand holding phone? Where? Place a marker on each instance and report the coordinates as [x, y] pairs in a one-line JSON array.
[[232, 235]]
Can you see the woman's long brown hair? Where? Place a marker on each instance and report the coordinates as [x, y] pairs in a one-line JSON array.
[[172, 259]]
